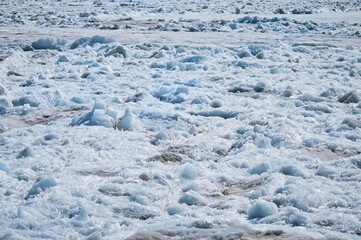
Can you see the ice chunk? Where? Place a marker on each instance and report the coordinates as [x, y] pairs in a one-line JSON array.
[[260, 87], [83, 215], [48, 43], [3, 90], [262, 209], [78, 100], [191, 186], [275, 70], [41, 185], [126, 122], [191, 67], [294, 217], [31, 100], [118, 50], [216, 113], [326, 172], [63, 58], [202, 224], [189, 172], [191, 198], [173, 65], [216, 104], [257, 48], [350, 97], [3, 127], [180, 90], [99, 116], [79, 42], [244, 54], [352, 123], [27, 152], [259, 168], [95, 236], [164, 135], [101, 40], [51, 136], [262, 141], [194, 59], [4, 167], [5, 103], [242, 64], [292, 170], [318, 108], [175, 209]]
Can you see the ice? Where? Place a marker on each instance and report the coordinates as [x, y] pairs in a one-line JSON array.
[[352, 123], [262, 141], [41, 185], [127, 121], [48, 43], [78, 100], [101, 39], [118, 50], [259, 169], [350, 97], [31, 100], [191, 198], [4, 167], [178, 119], [275, 70], [62, 59], [26, 152], [262, 209], [83, 215], [99, 116], [5, 103], [260, 87], [189, 172], [325, 171], [194, 59], [292, 171], [79, 42], [257, 48], [3, 90]]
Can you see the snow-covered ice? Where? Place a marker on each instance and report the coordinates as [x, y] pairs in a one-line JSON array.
[[180, 119]]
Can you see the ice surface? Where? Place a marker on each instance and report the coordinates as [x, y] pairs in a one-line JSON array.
[[180, 119]]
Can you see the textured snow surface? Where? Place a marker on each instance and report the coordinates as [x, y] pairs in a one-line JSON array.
[[180, 119]]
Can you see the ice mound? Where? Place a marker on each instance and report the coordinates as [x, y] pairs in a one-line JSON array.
[[4, 167], [41, 185], [191, 198], [33, 101], [5, 103], [189, 172], [100, 115], [119, 50], [26, 152], [48, 43], [91, 41], [3, 90], [350, 97], [126, 122], [262, 209], [257, 48]]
